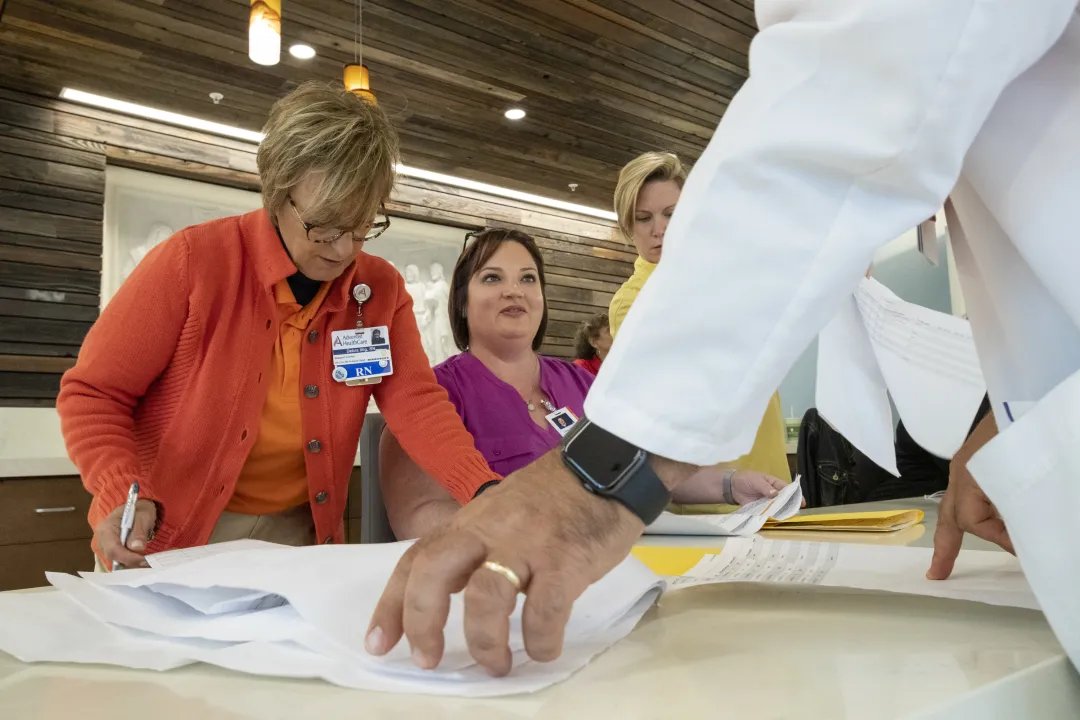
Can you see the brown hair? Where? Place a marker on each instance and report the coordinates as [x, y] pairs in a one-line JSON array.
[[484, 245], [589, 330], [349, 142], [643, 169]]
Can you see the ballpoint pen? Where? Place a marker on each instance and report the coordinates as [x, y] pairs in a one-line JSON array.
[[127, 520]]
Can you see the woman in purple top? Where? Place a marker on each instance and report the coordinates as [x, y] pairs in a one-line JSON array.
[[510, 431], [516, 403]]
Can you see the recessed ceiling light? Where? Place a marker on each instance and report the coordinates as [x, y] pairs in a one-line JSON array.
[[300, 51], [514, 114]]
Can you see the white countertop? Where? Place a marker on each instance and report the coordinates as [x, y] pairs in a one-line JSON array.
[[31, 444], [732, 650]]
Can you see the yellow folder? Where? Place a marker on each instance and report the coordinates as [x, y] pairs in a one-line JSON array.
[[671, 561], [879, 521]]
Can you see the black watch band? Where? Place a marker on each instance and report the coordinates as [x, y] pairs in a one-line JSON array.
[[645, 495], [615, 469]]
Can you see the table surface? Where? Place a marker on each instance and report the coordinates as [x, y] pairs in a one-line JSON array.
[[731, 650]]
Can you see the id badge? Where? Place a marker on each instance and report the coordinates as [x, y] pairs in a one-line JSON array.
[[563, 420], [361, 356]]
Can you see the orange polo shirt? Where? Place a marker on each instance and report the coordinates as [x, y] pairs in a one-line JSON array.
[[274, 478]]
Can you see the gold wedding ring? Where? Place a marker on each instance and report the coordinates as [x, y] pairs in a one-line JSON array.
[[505, 572]]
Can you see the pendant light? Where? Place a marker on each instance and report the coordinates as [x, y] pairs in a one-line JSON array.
[[264, 32], [356, 77]]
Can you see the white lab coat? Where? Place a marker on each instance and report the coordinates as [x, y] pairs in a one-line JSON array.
[[857, 120]]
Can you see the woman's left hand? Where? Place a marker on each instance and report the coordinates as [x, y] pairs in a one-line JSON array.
[[750, 485], [706, 486]]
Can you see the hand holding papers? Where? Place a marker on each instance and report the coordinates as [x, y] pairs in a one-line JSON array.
[[289, 612], [300, 612], [747, 520]]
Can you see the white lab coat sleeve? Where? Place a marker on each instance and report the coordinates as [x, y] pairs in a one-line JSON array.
[[851, 129]]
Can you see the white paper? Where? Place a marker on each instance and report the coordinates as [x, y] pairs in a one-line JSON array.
[[50, 626], [747, 520], [220, 602], [184, 555], [143, 609], [851, 393], [127, 618], [929, 363], [984, 576], [926, 361]]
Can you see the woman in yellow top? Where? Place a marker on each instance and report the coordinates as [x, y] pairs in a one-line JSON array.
[[645, 197]]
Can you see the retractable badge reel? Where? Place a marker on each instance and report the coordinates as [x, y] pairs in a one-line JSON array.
[[361, 356]]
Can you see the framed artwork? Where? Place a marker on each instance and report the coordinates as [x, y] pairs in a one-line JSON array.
[[425, 254], [142, 209]]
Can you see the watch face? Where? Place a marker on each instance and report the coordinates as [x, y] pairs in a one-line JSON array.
[[601, 456]]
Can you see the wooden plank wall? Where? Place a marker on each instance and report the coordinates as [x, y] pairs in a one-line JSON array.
[[52, 181], [602, 80]]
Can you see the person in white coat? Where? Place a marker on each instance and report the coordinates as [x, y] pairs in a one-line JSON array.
[[857, 121]]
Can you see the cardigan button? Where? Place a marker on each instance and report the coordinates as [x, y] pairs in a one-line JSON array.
[[314, 446], [321, 497], [311, 391], [313, 336], [328, 541]]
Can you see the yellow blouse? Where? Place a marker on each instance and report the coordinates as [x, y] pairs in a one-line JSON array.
[[769, 452]]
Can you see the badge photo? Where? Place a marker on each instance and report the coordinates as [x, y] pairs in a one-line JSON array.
[[563, 420], [361, 356]]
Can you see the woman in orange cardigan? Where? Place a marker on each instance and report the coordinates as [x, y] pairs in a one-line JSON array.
[[210, 378]]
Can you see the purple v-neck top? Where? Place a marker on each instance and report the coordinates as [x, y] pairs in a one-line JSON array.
[[498, 418]]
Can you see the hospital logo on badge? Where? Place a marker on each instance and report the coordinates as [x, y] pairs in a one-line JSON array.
[[340, 374]]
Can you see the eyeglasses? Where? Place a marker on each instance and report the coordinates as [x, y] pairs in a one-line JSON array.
[[328, 236], [469, 235]]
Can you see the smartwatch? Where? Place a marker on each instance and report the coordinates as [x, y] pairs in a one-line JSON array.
[[613, 468]]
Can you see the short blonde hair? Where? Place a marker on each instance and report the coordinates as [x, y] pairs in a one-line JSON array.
[[348, 142], [643, 169]]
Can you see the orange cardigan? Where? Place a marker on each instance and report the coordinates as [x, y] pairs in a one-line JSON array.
[[168, 388]]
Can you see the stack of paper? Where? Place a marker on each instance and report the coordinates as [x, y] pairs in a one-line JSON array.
[[877, 521], [986, 576], [302, 612], [880, 346], [747, 520], [290, 612]]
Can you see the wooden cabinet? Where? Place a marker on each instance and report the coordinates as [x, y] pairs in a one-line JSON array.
[[43, 527]]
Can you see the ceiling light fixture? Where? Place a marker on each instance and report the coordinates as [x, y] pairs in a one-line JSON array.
[[356, 77], [300, 51], [514, 114], [264, 32], [165, 116], [129, 108]]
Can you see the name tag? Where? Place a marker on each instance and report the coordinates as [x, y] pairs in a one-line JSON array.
[[563, 420], [361, 356]]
